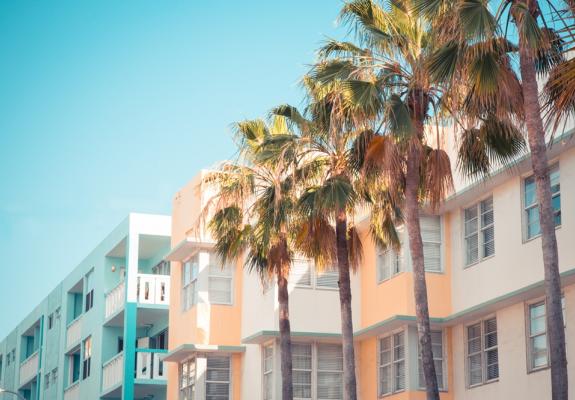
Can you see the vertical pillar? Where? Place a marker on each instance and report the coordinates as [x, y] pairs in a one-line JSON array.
[[130, 313], [201, 367]]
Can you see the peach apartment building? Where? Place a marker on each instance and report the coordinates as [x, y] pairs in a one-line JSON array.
[[485, 284]]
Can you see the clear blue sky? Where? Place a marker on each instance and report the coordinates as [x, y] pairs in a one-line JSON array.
[[108, 107]]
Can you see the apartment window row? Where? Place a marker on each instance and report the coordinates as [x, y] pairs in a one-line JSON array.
[[303, 273], [217, 378], [391, 262]]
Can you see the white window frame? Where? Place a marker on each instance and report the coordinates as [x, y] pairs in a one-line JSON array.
[[229, 369], [440, 243], [314, 276], [189, 363], [189, 291], [441, 357], [392, 365], [483, 350], [479, 232], [391, 257], [225, 274], [311, 371], [529, 336], [87, 352], [268, 373], [525, 208]]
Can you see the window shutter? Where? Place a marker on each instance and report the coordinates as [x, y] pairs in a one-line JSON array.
[[329, 372], [328, 278], [431, 236], [474, 354], [300, 273], [218, 377]]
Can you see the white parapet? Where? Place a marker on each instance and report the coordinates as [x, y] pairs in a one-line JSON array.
[[74, 333], [153, 289], [115, 299], [113, 372], [72, 392], [29, 368]]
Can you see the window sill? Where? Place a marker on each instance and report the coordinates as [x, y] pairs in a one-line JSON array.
[[482, 384], [380, 281], [538, 369], [473, 264], [383, 396], [527, 240]]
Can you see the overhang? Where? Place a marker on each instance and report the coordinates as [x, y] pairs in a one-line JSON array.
[[184, 351], [265, 336], [187, 248]]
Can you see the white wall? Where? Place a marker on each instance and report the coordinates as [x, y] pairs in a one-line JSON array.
[[514, 380]]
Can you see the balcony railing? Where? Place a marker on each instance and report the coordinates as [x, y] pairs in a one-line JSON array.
[[153, 289], [74, 332], [115, 299], [72, 392], [113, 372], [150, 364], [29, 368]]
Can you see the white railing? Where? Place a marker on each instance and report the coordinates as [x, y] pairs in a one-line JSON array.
[[74, 332], [153, 289], [150, 365], [113, 372], [115, 299], [72, 392], [29, 368]]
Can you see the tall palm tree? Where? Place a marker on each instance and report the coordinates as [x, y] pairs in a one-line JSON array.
[[251, 215], [396, 61], [331, 147], [541, 28]]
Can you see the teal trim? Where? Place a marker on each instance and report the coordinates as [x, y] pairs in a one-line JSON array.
[[130, 320], [39, 385], [154, 306], [151, 382], [160, 351]]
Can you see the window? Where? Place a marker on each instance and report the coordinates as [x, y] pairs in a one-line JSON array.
[[392, 364], [537, 341], [8, 359], [54, 376], [218, 377], [479, 231], [189, 283], [482, 353], [329, 371], [47, 381], [531, 205], [437, 349], [57, 313], [188, 379], [219, 281], [431, 237], [50, 321], [86, 362], [1, 362], [161, 340], [268, 370], [73, 368], [89, 290], [388, 264], [303, 273], [302, 370]]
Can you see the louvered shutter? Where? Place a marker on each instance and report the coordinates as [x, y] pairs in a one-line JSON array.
[[219, 282], [487, 228], [431, 236], [328, 278], [491, 351], [399, 361], [218, 377], [475, 369], [329, 372], [300, 273], [471, 235], [302, 368], [385, 386]]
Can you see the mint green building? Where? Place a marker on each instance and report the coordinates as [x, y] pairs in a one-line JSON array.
[[102, 332]]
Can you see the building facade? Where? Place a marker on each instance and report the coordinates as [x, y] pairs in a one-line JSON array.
[[485, 285], [102, 333]]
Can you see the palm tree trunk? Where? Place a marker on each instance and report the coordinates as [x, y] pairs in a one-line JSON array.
[[285, 337], [349, 381], [419, 283], [536, 139]]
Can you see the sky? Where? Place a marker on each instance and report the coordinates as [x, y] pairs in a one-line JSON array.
[[109, 107]]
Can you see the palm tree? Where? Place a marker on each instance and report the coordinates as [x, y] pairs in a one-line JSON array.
[[251, 214], [395, 64], [331, 148], [541, 28]]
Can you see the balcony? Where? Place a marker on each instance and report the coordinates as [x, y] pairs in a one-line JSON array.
[[113, 373], [74, 333], [115, 299], [72, 392], [29, 368], [153, 289], [150, 364]]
